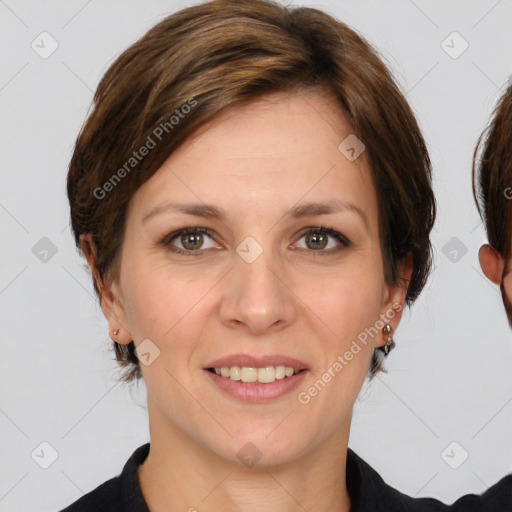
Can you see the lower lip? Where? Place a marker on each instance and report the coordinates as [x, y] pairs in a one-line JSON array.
[[255, 392]]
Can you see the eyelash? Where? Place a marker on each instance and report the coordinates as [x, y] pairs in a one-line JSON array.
[[167, 240]]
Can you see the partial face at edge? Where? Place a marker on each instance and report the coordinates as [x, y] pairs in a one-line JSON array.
[[493, 266], [308, 295]]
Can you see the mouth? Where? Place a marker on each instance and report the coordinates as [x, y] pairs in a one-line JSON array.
[[256, 379], [254, 375]]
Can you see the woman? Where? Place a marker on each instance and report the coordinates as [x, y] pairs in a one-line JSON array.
[[253, 196]]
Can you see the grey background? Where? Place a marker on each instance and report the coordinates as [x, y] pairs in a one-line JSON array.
[[450, 377]]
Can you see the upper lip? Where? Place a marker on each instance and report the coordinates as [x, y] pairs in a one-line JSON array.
[[257, 362]]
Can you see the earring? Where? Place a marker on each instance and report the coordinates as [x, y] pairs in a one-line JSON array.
[[116, 332], [390, 344]]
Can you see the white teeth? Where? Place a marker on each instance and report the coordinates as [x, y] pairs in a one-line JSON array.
[[265, 375], [280, 372], [235, 373], [249, 374]]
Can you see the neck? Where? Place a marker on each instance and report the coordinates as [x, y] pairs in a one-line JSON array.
[[181, 474]]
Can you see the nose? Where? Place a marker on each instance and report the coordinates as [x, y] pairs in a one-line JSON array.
[[256, 296]]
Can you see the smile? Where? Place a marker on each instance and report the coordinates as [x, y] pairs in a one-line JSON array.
[[247, 374], [254, 391]]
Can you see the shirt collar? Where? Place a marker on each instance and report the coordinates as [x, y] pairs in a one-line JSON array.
[[133, 500]]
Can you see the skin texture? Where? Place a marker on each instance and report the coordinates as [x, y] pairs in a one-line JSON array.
[[255, 163], [493, 266]]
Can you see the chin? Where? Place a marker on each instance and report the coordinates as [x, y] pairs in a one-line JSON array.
[[261, 450]]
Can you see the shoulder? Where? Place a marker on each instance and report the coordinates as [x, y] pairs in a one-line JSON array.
[[497, 498], [119, 493], [372, 493], [106, 496]]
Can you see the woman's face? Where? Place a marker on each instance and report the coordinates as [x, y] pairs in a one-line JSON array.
[[255, 282]]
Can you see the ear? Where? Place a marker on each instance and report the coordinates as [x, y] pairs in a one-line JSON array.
[[492, 263], [394, 297], [110, 298]]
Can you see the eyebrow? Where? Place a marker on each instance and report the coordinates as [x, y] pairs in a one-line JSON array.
[[308, 209]]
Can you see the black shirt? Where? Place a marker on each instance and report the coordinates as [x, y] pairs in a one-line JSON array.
[[368, 493]]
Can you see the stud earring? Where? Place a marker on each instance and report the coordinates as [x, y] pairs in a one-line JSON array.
[[390, 344], [116, 332]]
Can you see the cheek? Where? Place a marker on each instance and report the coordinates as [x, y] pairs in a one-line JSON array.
[[347, 300], [160, 303], [341, 313]]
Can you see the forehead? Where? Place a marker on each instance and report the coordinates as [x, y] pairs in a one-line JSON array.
[[277, 150], [303, 121]]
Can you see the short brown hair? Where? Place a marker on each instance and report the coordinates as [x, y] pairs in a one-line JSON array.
[[223, 54], [492, 183], [492, 176]]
